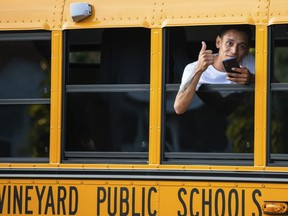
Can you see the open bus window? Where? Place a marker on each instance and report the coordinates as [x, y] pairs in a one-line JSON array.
[[107, 75], [219, 123], [25, 96], [278, 95]]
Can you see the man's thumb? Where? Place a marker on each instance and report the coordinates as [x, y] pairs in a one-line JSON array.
[[204, 46]]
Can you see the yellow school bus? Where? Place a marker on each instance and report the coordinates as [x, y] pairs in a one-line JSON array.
[[87, 125]]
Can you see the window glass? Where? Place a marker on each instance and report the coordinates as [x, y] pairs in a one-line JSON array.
[[107, 79], [24, 95], [277, 118], [220, 119]]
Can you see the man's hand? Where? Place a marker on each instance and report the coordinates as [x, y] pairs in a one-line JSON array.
[[242, 76], [205, 58]]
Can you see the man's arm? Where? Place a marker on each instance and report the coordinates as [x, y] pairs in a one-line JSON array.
[[187, 92]]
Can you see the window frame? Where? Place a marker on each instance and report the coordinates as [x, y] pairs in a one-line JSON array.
[[199, 158], [273, 159], [100, 157], [26, 36]]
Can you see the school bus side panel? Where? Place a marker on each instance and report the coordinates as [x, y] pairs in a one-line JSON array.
[[31, 14], [156, 14], [123, 197]]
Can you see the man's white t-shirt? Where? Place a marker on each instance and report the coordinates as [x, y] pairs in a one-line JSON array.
[[213, 76]]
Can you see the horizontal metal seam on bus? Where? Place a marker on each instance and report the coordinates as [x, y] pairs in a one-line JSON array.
[[153, 175]]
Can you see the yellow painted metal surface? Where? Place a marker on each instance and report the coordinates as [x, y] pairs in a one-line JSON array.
[[278, 12], [155, 95], [260, 96], [155, 14], [55, 14], [31, 14], [101, 197], [56, 97]]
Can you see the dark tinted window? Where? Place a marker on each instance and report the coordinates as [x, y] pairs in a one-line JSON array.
[[278, 95], [107, 79], [24, 95]]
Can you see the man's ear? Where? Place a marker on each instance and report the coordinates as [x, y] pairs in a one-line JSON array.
[[218, 41]]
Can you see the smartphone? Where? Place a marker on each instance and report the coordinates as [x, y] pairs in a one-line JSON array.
[[229, 63]]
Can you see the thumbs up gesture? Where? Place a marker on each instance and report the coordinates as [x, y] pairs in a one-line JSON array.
[[205, 58]]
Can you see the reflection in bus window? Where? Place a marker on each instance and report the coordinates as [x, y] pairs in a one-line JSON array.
[[220, 118], [107, 100], [278, 119], [24, 96]]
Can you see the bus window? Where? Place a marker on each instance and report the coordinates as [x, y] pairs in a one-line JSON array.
[[107, 79], [25, 95], [219, 122], [278, 95]]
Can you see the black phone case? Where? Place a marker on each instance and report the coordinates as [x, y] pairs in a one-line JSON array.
[[229, 63]]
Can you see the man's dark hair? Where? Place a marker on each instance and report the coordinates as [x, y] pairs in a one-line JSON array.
[[241, 28]]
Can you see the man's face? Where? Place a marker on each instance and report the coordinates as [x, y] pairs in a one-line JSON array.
[[232, 44]]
